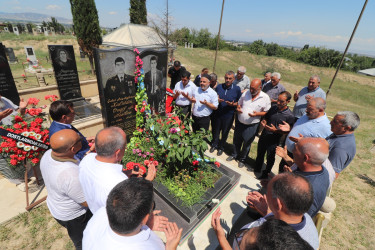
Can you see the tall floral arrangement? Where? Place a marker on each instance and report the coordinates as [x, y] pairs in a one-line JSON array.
[[142, 107]]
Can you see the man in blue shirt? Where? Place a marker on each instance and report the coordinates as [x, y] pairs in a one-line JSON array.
[[312, 90], [273, 88], [229, 94], [62, 114], [342, 146]]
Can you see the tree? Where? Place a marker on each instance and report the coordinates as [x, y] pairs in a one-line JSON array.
[[86, 27], [138, 12], [58, 27]]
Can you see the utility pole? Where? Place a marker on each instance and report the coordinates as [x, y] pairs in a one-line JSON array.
[[218, 37]]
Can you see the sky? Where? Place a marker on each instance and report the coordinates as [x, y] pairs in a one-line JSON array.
[[326, 23]]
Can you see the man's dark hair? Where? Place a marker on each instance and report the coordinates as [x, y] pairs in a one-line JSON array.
[[177, 64], [204, 69], [287, 95], [296, 199], [206, 76], [230, 72], [119, 59], [128, 204], [185, 74], [153, 58], [59, 108], [277, 235]]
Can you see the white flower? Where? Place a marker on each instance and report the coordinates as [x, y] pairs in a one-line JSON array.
[[25, 133], [34, 148], [215, 201], [38, 136], [27, 148], [20, 144], [32, 133]]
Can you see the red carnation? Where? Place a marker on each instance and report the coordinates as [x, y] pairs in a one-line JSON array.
[[35, 160], [129, 165], [18, 118], [217, 164], [195, 163], [13, 162]]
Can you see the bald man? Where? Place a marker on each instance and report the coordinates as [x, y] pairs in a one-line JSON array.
[[309, 154], [65, 200], [252, 105]]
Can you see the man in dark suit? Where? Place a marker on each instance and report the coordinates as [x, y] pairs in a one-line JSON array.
[[62, 114], [121, 84], [154, 85]]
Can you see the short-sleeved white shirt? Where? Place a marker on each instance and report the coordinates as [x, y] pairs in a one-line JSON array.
[[98, 179], [210, 95], [262, 103], [8, 105], [64, 189], [188, 89], [99, 235]]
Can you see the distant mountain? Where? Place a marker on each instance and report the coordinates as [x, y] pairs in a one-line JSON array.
[[31, 17]]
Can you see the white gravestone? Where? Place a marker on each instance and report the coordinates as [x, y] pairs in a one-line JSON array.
[[15, 31], [53, 31], [45, 30], [31, 57], [192, 45], [35, 33], [185, 45], [6, 29]]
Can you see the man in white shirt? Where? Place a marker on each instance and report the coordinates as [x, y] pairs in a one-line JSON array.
[[205, 101], [251, 107], [122, 223], [182, 91], [65, 199]]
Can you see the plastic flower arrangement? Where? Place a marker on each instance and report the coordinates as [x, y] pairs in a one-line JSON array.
[[30, 126]]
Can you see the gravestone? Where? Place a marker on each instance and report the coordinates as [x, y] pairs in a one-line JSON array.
[[192, 45], [117, 89], [53, 31], [31, 57], [6, 29], [64, 65], [155, 81], [45, 30], [15, 31], [188, 45], [29, 28], [185, 45], [8, 88], [35, 32], [10, 53]]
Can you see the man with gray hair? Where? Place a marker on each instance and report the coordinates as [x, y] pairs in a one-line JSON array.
[[274, 88], [313, 124], [242, 80], [301, 98], [342, 146], [99, 172], [267, 78]]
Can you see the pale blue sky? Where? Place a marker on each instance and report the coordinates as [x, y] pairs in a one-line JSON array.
[[327, 23]]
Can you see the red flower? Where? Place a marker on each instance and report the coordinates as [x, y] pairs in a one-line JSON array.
[[142, 109], [129, 165], [142, 169], [195, 163], [18, 118], [146, 162], [217, 164], [35, 160], [13, 162], [155, 163]]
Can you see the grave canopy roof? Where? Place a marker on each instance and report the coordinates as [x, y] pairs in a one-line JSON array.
[[368, 72], [135, 36]]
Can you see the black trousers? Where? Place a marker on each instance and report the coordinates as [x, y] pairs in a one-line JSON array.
[[243, 137], [223, 125], [76, 227], [185, 112], [267, 143], [201, 122]]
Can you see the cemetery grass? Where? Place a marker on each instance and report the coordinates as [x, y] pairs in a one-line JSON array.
[[40, 43], [353, 222]]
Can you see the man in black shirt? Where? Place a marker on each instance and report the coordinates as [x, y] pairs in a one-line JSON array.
[[272, 136], [175, 72]]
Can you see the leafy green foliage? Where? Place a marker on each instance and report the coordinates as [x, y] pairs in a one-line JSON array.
[[138, 12]]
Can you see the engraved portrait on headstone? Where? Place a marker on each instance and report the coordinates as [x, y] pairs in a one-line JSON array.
[[117, 89], [64, 65], [154, 65], [6, 29], [7, 86]]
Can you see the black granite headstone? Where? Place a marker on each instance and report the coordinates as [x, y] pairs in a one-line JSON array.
[[64, 65], [8, 88], [29, 28], [10, 53], [155, 67], [117, 89]]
